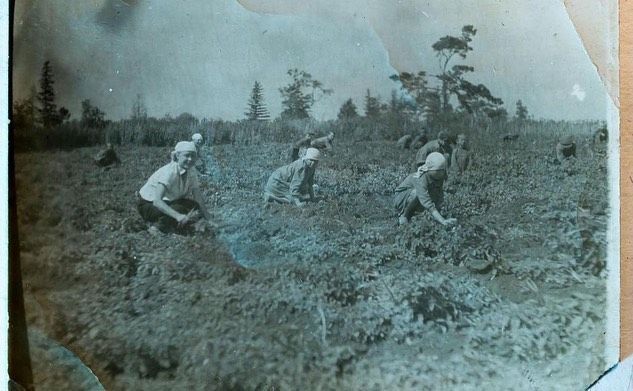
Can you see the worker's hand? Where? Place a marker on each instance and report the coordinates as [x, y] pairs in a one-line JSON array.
[[185, 219], [201, 225], [299, 203], [449, 221]]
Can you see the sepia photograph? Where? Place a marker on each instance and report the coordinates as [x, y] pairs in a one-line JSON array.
[[320, 195]]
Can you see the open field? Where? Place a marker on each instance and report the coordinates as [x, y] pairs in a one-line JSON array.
[[331, 296]]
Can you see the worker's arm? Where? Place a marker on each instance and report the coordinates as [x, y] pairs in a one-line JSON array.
[[295, 186], [166, 209], [426, 201], [440, 219]]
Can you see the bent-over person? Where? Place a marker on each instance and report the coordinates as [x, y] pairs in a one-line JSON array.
[[404, 142], [201, 161], [566, 149], [171, 199], [423, 190], [601, 135], [460, 159], [107, 157], [323, 143], [419, 140], [302, 143], [293, 183], [439, 145]]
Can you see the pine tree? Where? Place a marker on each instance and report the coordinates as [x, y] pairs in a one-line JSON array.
[[521, 111], [256, 109], [372, 106], [348, 110], [48, 113]]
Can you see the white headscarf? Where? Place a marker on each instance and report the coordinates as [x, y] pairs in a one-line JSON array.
[[434, 162], [312, 153]]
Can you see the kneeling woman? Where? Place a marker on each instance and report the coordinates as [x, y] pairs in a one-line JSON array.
[[171, 196], [423, 190], [293, 183]]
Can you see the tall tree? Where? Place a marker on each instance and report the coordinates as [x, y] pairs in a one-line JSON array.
[[256, 109], [472, 98], [139, 110], [299, 96], [49, 116], [92, 116], [445, 49], [348, 110], [372, 106], [521, 111]]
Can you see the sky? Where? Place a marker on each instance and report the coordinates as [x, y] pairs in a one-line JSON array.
[[202, 57]]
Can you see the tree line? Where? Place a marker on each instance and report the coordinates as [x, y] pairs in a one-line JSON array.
[[420, 98]]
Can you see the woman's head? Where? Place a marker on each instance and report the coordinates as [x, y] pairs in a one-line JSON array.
[[185, 154], [311, 158], [197, 139], [434, 166]]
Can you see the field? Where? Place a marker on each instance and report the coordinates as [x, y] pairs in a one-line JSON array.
[[331, 296]]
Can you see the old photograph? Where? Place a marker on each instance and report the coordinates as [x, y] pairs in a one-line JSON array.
[[318, 195]]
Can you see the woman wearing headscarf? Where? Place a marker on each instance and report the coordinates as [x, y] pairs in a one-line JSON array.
[[201, 162], [293, 183], [171, 197], [565, 149], [423, 190]]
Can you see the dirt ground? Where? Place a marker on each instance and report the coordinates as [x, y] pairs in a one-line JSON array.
[[330, 296]]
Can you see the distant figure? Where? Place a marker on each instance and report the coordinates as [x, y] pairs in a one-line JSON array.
[[439, 145], [201, 162], [460, 159], [107, 157], [419, 140], [171, 199], [423, 190], [510, 137], [323, 143], [404, 142], [601, 135], [565, 149], [293, 183], [302, 143]]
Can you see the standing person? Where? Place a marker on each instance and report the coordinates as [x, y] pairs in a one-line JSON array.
[[323, 143], [107, 157], [293, 183], [171, 196], [302, 143], [439, 145], [423, 190], [460, 159], [566, 149]]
